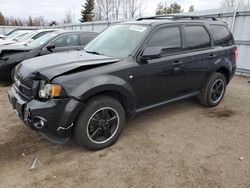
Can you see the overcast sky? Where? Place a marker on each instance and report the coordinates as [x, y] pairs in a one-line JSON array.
[[55, 9]]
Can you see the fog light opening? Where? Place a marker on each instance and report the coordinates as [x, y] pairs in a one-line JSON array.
[[39, 122]]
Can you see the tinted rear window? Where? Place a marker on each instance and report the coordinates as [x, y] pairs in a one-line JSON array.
[[196, 37], [85, 39], [221, 35]]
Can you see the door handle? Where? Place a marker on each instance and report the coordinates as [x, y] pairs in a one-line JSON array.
[[211, 56], [176, 63]]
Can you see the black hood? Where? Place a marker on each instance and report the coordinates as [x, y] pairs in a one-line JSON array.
[[9, 49], [51, 66]]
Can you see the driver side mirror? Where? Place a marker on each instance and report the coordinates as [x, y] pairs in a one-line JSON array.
[[151, 53], [50, 47]]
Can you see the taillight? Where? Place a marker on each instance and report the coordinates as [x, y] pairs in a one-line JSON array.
[[235, 55]]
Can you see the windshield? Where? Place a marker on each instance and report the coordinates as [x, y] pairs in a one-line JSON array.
[[17, 38], [15, 34], [25, 37], [117, 41], [42, 40]]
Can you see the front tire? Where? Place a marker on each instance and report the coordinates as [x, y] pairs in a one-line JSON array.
[[12, 73], [214, 90], [100, 124]]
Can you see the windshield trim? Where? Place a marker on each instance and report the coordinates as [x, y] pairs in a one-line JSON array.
[[30, 35], [45, 43]]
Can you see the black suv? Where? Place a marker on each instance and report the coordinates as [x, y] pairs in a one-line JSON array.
[[52, 42], [128, 68]]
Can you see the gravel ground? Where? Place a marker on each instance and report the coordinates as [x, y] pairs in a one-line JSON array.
[[181, 145]]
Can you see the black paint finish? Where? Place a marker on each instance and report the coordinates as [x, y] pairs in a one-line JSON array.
[[12, 55], [137, 83]]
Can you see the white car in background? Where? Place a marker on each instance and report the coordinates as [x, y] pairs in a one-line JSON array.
[[13, 37], [26, 39], [2, 36]]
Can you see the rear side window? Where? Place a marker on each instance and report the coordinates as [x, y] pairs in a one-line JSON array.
[[221, 35], [168, 39], [196, 37], [85, 39]]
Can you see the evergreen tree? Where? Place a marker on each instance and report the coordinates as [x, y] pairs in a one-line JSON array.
[[173, 8], [87, 11], [30, 21], [53, 23], [191, 8]]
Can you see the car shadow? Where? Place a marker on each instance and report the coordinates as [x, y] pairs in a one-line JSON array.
[[5, 83], [28, 142]]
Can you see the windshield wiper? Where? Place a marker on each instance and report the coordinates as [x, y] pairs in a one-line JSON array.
[[93, 52]]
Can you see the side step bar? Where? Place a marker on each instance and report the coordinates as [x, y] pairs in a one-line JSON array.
[[168, 101]]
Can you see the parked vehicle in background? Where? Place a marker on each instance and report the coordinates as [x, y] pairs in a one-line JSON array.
[[14, 37], [58, 41], [16, 30], [2, 36], [128, 68], [26, 39]]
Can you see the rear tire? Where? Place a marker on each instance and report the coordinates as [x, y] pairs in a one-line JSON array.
[[214, 90], [100, 124]]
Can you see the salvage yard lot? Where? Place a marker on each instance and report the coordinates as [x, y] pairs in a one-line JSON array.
[[180, 145]]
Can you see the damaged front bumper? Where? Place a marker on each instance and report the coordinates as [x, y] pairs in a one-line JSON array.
[[53, 118]]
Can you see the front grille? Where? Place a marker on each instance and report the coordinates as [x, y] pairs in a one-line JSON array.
[[23, 86]]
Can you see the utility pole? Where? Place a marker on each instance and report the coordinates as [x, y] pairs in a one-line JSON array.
[[74, 18], [165, 8], [235, 14]]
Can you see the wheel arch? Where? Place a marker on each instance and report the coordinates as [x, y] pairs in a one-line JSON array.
[[108, 85], [225, 71], [120, 94]]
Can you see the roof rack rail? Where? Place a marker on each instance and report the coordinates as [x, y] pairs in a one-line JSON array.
[[177, 17]]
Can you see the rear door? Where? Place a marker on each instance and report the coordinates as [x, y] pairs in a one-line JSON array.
[[196, 57]]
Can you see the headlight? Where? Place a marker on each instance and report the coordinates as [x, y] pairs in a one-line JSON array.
[[4, 59], [49, 90]]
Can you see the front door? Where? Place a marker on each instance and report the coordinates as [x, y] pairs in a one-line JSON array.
[[158, 79], [63, 43]]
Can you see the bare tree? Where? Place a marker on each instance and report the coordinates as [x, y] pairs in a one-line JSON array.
[[98, 10], [116, 8], [7, 22], [104, 9], [113, 9], [107, 7], [2, 19], [68, 17], [12, 21], [39, 21], [232, 3], [133, 8], [125, 9], [142, 7]]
